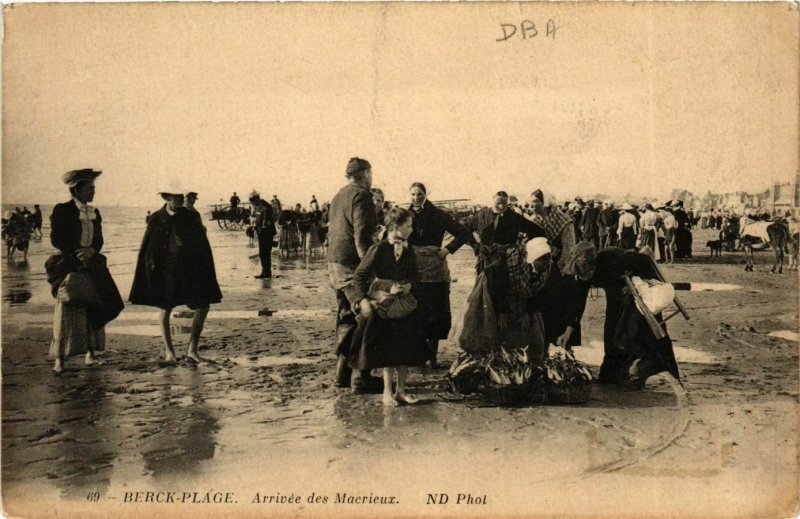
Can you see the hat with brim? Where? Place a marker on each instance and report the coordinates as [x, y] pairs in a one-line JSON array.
[[626, 207], [192, 193], [536, 248], [72, 178], [172, 188]]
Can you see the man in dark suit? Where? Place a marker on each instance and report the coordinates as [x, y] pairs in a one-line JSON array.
[[265, 228], [352, 225]]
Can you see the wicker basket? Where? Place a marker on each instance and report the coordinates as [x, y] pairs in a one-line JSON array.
[[508, 395], [538, 392], [465, 383], [577, 393]]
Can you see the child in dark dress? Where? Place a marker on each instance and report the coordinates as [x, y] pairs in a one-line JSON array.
[[389, 343]]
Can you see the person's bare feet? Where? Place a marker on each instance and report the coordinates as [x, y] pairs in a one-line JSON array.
[[58, 368], [169, 358], [389, 401], [407, 398], [91, 360], [194, 357]]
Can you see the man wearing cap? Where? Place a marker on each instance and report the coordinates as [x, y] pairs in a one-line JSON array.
[[266, 231], [352, 225], [188, 202]]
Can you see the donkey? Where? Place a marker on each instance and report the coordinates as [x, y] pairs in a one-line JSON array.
[[775, 233]]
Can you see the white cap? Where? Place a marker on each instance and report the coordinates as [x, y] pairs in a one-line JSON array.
[[536, 248]]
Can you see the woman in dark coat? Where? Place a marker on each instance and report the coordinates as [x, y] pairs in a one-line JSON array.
[[176, 267], [433, 291], [389, 343], [76, 230], [632, 352]]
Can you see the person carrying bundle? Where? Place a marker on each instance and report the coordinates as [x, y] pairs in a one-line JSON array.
[[633, 353]]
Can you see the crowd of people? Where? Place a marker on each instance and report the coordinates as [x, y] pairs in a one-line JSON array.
[[387, 264], [18, 227], [535, 266]]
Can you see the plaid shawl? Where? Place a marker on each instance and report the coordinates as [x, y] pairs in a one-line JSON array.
[[554, 223]]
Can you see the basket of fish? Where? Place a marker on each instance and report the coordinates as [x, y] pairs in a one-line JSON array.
[[510, 377], [569, 381], [466, 375]]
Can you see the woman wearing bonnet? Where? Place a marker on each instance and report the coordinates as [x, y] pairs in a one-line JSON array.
[[77, 232]]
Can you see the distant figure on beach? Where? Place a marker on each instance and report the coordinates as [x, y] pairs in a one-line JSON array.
[[265, 230], [86, 296], [147, 218], [235, 201], [16, 234], [188, 202], [289, 231], [176, 267], [352, 226], [36, 222]]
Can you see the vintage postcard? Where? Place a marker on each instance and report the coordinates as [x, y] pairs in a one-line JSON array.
[[406, 259]]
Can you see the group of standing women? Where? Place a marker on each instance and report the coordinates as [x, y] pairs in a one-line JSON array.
[[175, 267]]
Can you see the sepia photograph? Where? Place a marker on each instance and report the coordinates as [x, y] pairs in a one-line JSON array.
[[400, 259]]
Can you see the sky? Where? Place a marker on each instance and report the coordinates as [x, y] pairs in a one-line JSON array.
[[623, 99]]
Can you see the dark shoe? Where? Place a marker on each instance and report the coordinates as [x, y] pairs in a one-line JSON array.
[[343, 372], [263, 276]]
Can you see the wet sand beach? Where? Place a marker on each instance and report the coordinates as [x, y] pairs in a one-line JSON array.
[[262, 417]]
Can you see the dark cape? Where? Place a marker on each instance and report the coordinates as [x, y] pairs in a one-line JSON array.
[[175, 265]]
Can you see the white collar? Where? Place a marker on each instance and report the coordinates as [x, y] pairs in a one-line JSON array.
[[169, 211]]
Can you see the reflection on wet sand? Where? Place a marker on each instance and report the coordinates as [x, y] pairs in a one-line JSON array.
[[185, 439]]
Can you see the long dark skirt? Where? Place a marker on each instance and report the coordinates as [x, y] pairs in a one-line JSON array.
[[683, 243], [384, 343], [433, 309], [632, 352], [628, 239]]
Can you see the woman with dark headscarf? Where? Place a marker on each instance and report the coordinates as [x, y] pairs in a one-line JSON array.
[[76, 230], [433, 292], [176, 267]]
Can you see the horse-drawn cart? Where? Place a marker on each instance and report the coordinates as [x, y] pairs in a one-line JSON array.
[[231, 218]]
